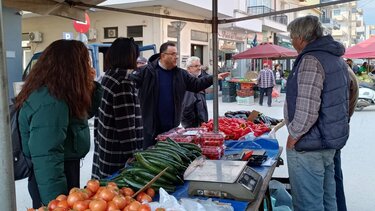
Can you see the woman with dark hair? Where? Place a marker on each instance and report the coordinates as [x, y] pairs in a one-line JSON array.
[[120, 128], [58, 97]]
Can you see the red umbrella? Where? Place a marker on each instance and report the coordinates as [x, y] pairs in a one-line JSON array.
[[266, 50], [363, 50]]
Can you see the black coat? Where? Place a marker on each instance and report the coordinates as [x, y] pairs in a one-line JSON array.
[[147, 82]]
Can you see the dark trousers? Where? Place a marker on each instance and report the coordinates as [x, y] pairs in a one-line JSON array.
[[340, 194], [71, 170], [268, 91]]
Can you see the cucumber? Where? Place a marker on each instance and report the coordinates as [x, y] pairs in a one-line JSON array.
[[190, 146], [179, 152], [168, 152], [172, 142], [133, 183], [171, 169], [174, 178], [175, 164]]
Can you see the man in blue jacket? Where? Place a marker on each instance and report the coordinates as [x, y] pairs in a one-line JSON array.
[[317, 114], [162, 87]]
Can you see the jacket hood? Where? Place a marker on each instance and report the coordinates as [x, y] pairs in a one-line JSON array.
[[327, 44]]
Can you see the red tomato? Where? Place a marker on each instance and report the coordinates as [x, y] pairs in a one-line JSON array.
[[61, 197], [53, 204], [150, 192], [127, 191], [93, 185], [98, 205], [81, 205], [144, 207], [107, 194], [120, 201], [74, 197], [134, 206]]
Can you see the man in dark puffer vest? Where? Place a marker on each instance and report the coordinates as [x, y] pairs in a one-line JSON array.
[[316, 112]]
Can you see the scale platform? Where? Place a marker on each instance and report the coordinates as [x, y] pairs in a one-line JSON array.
[[223, 179]]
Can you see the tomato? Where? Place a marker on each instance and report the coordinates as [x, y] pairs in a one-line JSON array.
[[60, 209], [107, 194], [127, 191], [128, 200], [134, 206], [144, 207], [112, 185], [63, 204], [120, 201], [139, 196], [30, 209], [81, 205], [74, 197], [93, 185], [87, 193], [61, 197], [53, 204], [98, 205], [111, 206], [145, 198], [150, 192], [160, 209], [74, 190]]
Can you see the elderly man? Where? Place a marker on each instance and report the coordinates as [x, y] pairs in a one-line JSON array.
[[317, 114], [162, 87], [266, 81], [194, 104]]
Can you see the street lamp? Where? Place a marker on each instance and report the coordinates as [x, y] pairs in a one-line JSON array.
[[178, 25]]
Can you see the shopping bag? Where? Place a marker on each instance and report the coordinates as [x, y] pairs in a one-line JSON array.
[[275, 93]]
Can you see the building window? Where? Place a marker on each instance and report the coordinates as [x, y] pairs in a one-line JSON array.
[[253, 3], [336, 12], [110, 32], [172, 31], [135, 31], [199, 36]]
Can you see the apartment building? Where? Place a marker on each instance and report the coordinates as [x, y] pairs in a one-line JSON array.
[[346, 23]]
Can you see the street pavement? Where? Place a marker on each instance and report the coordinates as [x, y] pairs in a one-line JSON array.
[[357, 155]]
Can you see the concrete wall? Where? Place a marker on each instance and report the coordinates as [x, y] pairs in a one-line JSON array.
[[12, 45]]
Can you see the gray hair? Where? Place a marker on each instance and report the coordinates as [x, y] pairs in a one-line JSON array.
[[192, 59], [308, 28]]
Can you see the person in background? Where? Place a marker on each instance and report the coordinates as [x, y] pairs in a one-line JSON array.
[[353, 98], [194, 104], [266, 81], [162, 87], [53, 118], [363, 68], [141, 61], [353, 66], [316, 112], [120, 128], [278, 73]]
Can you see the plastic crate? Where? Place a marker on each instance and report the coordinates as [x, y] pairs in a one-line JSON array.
[[212, 139], [228, 99], [245, 100], [212, 152]]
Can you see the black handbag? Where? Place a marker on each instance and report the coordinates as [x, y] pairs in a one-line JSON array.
[[22, 165]]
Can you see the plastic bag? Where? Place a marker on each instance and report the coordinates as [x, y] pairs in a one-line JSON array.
[[275, 93], [204, 205], [167, 201]]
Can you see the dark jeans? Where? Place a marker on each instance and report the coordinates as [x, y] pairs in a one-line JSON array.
[[268, 91], [71, 170], [340, 195]]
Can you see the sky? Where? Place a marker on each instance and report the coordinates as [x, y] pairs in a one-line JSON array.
[[368, 7]]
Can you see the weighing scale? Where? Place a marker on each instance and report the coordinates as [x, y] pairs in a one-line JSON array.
[[223, 179]]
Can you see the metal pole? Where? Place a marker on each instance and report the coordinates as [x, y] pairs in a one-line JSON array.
[[178, 28], [214, 63], [8, 196]]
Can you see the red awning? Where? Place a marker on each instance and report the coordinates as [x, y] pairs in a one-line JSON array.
[[363, 50], [266, 50]]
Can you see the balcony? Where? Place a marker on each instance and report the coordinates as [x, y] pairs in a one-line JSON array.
[[273, 22], [330, 23]]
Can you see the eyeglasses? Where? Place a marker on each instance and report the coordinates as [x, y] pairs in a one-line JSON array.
[[171, 54], [196, 66]]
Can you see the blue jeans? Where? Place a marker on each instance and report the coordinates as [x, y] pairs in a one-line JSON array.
[[340, 194], [312, 180]]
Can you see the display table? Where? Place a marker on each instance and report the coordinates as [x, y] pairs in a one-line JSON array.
[[266, 172]]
